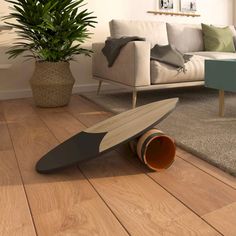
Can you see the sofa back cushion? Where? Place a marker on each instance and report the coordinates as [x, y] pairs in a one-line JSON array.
[[153, 32], [185, 37], [232, 27]]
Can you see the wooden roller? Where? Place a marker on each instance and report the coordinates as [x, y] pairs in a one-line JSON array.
[[155, 149]]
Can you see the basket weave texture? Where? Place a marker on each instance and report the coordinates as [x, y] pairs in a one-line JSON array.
[[52, 84]]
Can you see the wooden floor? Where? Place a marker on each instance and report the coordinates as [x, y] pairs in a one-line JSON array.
[[111, 195]]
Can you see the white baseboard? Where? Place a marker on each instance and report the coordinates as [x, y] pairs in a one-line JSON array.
[[78, 88], [12, 94]]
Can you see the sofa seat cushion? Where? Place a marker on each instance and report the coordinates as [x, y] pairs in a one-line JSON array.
[[162, 73], [153, 32], [215, 55]]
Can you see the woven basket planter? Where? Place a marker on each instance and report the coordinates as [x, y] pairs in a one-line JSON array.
[[52, 84]]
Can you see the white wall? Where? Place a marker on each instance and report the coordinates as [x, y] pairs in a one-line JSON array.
[[218, 12], [212, 11], [234, 15]]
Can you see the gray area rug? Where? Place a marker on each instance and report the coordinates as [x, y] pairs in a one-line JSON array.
[[195, 123]]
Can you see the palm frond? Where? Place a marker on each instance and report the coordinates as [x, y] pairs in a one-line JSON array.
[[48, 29]]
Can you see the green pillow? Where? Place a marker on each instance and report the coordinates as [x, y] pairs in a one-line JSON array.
[[218, 39]]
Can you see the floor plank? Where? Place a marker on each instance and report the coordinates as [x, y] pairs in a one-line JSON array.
[[215, 218], [12, 195], [208, 168], [142, 206], [55, 120], [5, 139], [88, 113], [200, 191], [108, 173], [224, 219], [61, 204], [15, 218], [129, 210], [195, 188], [122, 197]]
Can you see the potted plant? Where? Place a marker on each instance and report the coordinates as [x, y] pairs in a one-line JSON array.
[[51, 31]]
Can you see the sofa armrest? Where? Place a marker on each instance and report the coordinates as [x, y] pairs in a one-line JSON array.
[[132, 66]]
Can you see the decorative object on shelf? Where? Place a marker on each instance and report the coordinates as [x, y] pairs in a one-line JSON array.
[[52, 35], [188, 6], [166, 5], [157, 150]]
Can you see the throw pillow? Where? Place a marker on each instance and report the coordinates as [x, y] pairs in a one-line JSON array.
[[218, 39], [234, 39]]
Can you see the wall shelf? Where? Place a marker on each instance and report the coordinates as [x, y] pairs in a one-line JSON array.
[[170, 13]]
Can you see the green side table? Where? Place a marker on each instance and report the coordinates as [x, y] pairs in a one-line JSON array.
[[221, 75]]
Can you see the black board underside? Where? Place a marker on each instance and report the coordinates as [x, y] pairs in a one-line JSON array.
[[82, 146]]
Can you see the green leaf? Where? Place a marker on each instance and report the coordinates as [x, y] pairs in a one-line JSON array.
[[48, 29]]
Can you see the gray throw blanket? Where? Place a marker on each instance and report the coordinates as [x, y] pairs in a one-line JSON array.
[[113, 47], [166, 54], [170, 55]]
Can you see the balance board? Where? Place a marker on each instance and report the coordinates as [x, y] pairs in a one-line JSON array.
[[105, 136]]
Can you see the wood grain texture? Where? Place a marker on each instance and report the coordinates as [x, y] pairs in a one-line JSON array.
[[224, 219], [194, 187], [5, 139], [66, 204], [88, 113], [208, 168], [151, 112], [63, 204], [55, 120], [15, 217], [217, 218], [130, 123], [142, 206], [200, 191]]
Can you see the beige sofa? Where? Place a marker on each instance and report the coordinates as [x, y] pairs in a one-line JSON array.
[[133, 67]]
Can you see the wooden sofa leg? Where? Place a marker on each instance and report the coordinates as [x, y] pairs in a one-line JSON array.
[[99, 87], [134, 100]]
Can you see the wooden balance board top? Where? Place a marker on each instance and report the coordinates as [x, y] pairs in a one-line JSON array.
[[106, 135]]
